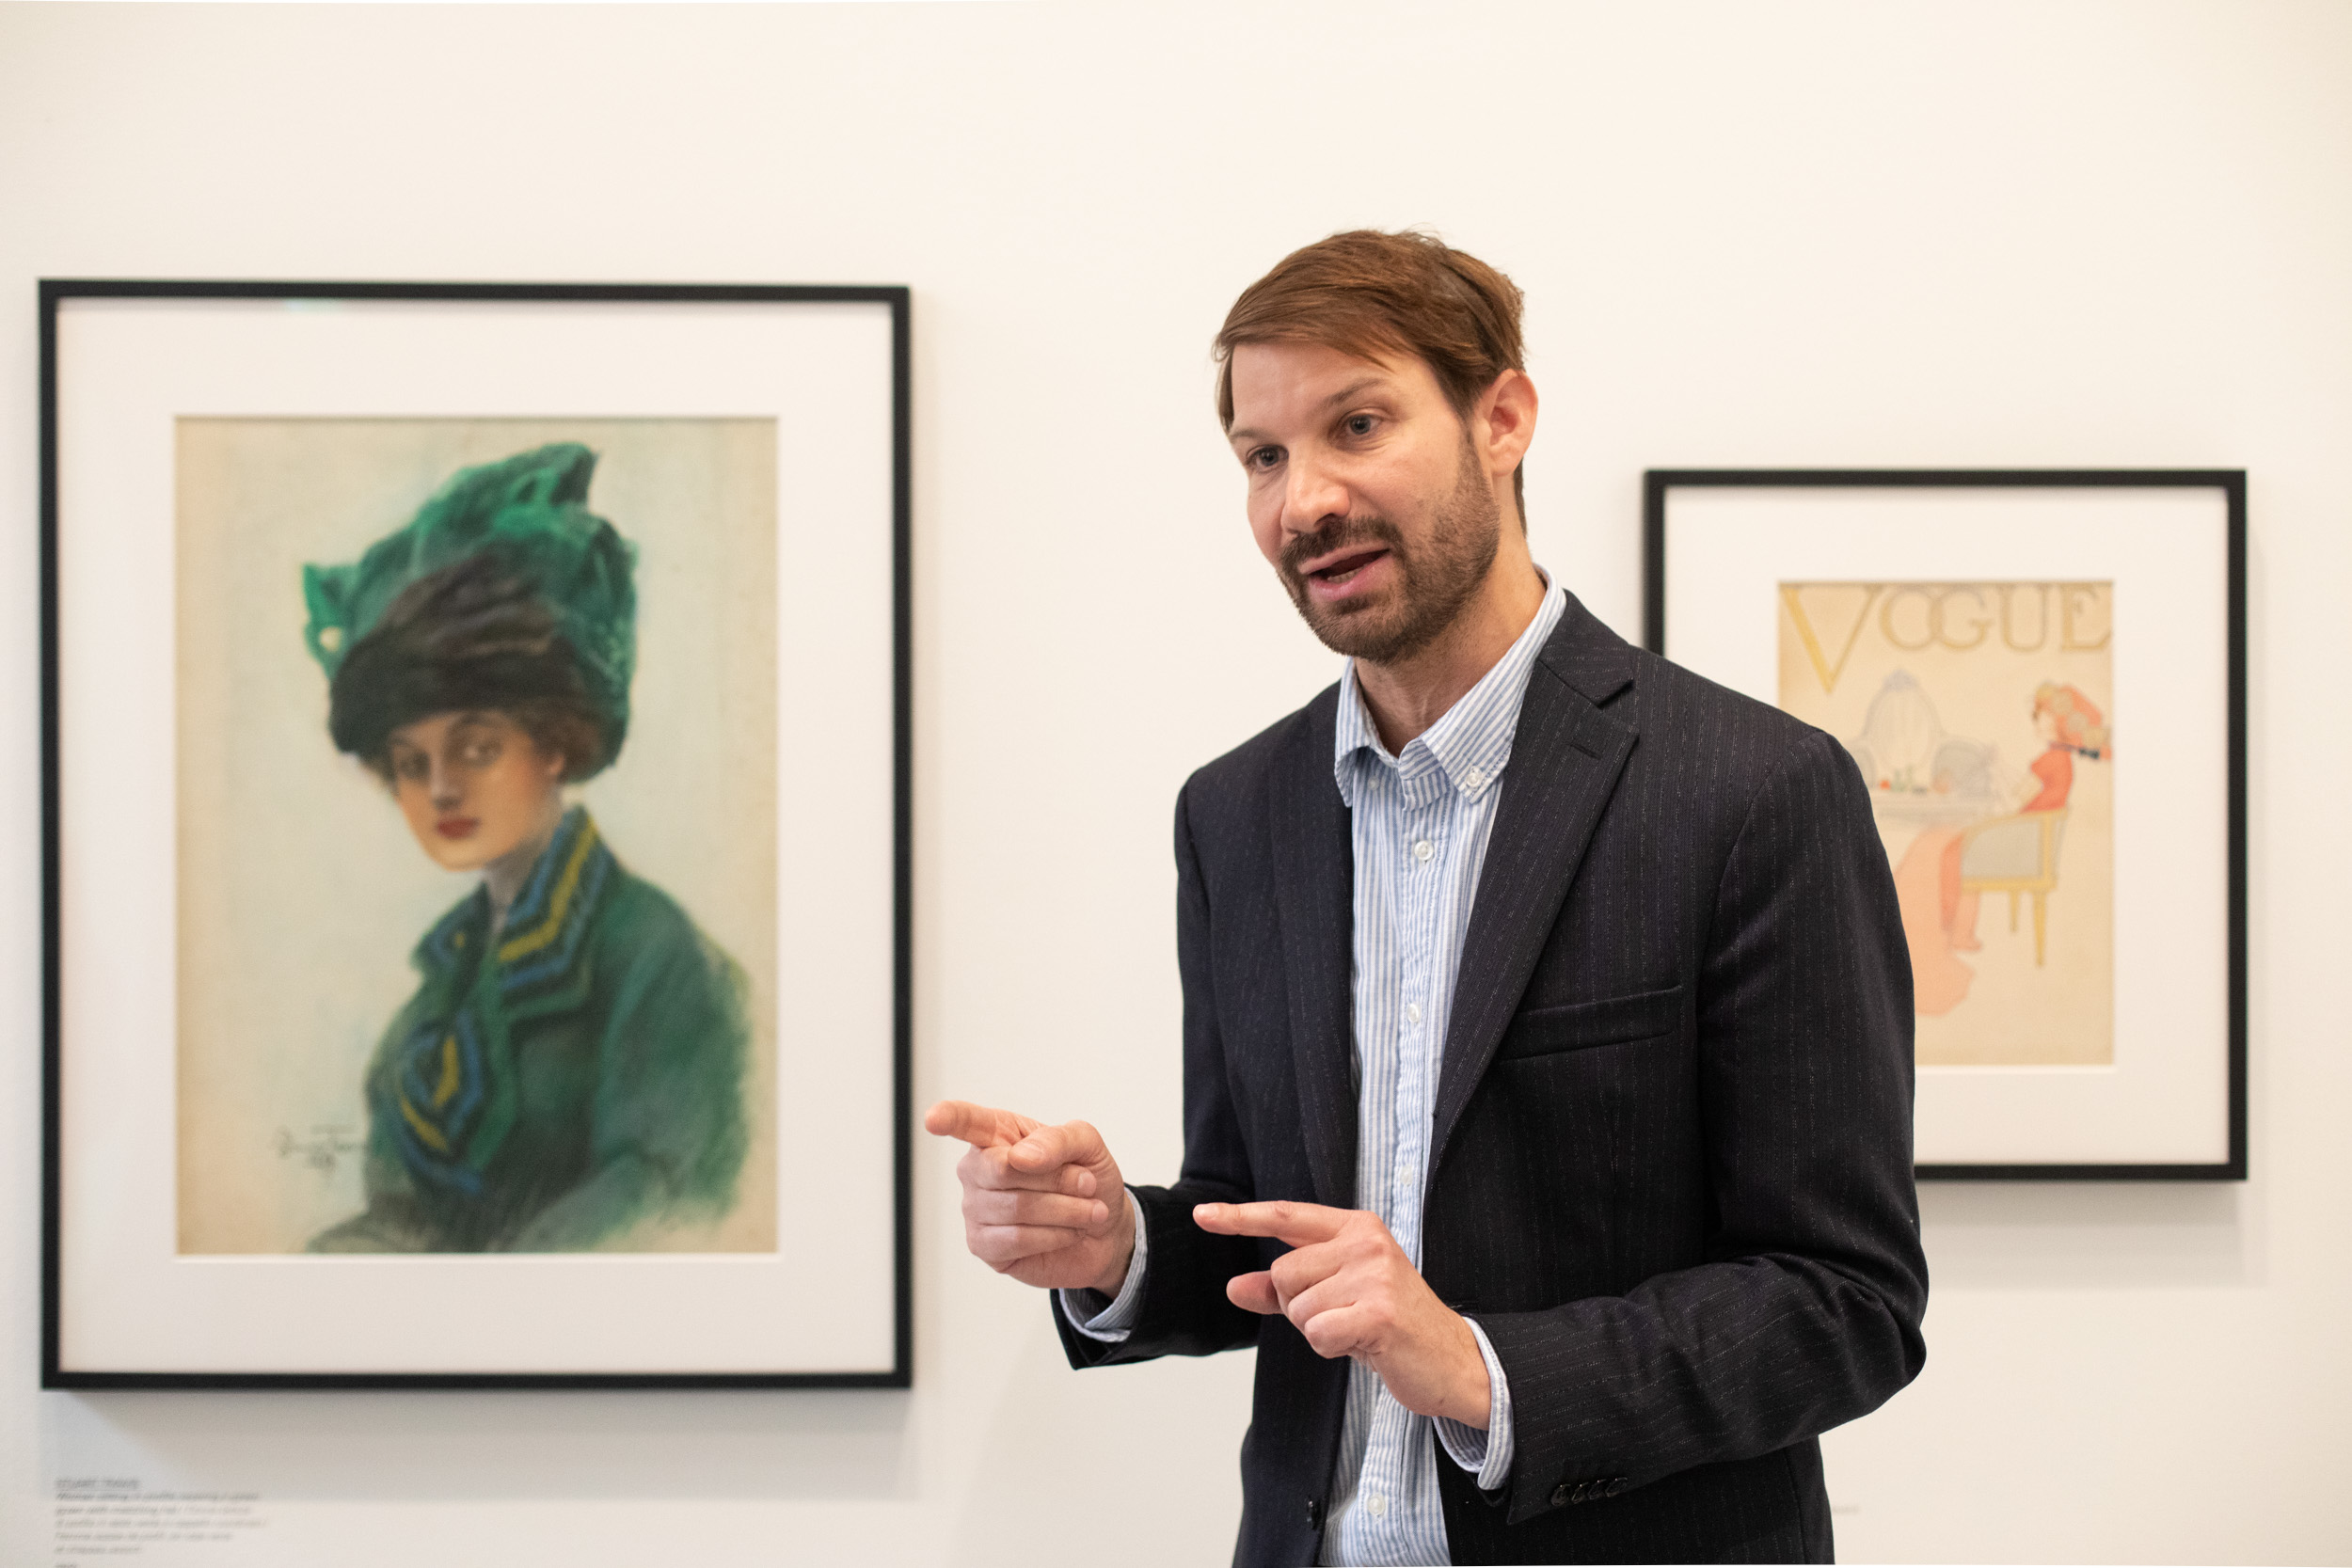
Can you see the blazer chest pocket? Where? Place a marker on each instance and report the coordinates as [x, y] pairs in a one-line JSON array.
[[1582, 1026]]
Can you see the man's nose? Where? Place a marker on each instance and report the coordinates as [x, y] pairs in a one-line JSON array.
[[1313, 494]]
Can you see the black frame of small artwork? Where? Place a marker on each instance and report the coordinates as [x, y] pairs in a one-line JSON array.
[[1657, 482], [54, 294]]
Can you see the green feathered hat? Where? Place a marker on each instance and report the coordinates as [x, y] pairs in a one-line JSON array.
[[505, 592]]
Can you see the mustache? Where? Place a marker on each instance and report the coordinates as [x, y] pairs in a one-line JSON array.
[[1338, 535]]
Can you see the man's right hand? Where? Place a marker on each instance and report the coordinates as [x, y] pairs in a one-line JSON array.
[[1043, 1204]]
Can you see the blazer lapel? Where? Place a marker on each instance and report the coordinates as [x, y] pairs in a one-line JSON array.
[[1565, 758], [1314, 881]]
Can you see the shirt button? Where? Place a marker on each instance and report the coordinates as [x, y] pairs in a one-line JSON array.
[[1422, 851], [1473, 778], [1412, 1013], [1378, 1504]]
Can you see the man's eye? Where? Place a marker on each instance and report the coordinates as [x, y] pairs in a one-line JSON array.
[[1263, 457], [1358, 425]]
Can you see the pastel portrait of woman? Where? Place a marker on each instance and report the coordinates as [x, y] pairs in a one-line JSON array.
[[570, 1069]]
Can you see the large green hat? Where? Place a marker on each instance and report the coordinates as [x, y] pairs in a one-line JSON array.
[[503, 592]]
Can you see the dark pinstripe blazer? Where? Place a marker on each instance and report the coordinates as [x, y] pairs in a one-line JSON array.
[[1672, 1176]]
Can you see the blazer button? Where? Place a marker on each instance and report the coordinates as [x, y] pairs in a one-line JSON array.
[[1315, 1514], [1615, 1486], [1559, 1496]]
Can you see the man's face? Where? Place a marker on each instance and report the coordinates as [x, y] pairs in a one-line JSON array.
[[1366, 494]]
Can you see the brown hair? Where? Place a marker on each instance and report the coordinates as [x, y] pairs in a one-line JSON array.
[[1379, 296]]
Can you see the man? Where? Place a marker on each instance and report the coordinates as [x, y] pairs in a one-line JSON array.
[[1546, 1018]]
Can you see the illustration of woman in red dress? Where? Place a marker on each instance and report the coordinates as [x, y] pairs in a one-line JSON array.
[[2070, 725]]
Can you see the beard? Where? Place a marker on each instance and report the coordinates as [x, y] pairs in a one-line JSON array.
[[1435, 578]]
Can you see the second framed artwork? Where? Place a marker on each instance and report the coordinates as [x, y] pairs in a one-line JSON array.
[[2040, 678], [478, 834]]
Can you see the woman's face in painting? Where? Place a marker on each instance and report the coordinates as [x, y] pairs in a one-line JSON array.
[[2045, 724], [474, 786]]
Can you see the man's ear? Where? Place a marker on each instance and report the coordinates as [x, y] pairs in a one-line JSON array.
[[1505, 422]]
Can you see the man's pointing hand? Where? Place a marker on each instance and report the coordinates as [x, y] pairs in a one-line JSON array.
[[1043, 1204], [1352, 1291]]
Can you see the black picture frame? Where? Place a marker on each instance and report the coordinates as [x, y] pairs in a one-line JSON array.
[[1660, 485], [59, 295]]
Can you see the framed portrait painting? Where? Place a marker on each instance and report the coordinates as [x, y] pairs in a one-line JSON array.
[[476, 791], [2041, 677]]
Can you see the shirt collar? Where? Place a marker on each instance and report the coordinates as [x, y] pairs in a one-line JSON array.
[[1469, 746]]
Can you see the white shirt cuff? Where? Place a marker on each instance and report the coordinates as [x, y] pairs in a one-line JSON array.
[[1486, 1454], [1112, 1323]]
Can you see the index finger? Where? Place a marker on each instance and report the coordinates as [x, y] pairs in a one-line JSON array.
[[981, 1126], [1299, 1224]]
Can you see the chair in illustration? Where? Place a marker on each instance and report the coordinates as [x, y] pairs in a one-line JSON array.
[[2015, 855]]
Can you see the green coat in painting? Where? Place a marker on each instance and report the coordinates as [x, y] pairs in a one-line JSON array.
[[583, 1077]]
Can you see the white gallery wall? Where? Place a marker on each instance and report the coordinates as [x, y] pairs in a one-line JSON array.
[[1986, 234]]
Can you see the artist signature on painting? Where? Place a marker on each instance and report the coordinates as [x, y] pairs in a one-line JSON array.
[[320, 1147]]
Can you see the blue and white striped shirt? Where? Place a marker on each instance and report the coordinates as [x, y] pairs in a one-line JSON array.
[[1420, 821]]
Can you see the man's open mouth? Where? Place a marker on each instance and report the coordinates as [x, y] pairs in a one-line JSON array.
[[1346, 567]]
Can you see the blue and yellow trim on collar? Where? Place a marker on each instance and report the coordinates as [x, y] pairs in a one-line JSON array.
[[451, 1088], [542, 936], [549, 923]]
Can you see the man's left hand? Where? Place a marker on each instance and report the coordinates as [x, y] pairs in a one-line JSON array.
[[1352, 1291]]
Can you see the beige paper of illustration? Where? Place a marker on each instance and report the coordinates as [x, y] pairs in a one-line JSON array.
[[1981, 714]]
